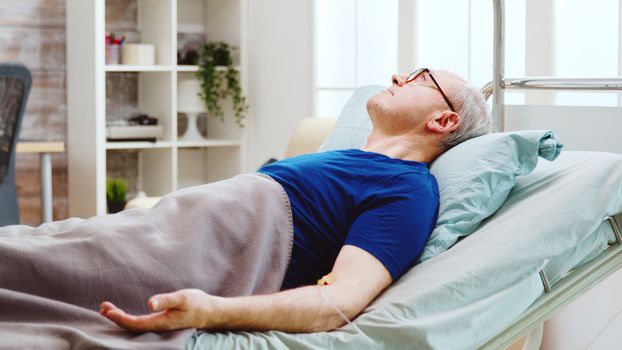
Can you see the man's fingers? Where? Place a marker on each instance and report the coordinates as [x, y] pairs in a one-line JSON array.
[[167, 301], [124, 320], [106, 306], [150, 322]]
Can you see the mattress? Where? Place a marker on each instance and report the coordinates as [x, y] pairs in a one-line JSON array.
[[552, 220]]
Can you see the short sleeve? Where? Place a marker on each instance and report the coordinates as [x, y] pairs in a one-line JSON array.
[[394, 227]]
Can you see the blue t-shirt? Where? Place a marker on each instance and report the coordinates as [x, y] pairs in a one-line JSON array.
[[383, 205]]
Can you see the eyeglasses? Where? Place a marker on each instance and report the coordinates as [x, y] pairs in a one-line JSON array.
[[417, 73]]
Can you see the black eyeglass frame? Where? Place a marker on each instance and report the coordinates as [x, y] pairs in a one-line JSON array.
[[415, 74]]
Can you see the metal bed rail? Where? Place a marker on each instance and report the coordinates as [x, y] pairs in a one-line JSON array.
[[616, 232], [546, 83], [499, 83]]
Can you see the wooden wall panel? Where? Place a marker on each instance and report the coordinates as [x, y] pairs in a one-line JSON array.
[[121, 95], [32, 12], [121, 15], [38, 49], [46, 112]]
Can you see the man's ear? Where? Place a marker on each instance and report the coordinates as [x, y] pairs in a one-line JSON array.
[[444, 122]]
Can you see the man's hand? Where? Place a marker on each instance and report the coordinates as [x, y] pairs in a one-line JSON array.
[[186, 308], [356, 279]]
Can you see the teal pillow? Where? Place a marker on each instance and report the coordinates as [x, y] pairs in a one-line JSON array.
[[474, 177]]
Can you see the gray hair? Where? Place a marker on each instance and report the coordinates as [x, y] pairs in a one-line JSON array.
[[474, 116]]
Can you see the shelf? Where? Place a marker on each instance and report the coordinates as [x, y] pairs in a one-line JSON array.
[[165, 144], [208, 143], [129, 68], [189, 68], [137, 145]]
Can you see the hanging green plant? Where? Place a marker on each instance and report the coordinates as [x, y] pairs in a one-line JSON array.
[[219, 84]]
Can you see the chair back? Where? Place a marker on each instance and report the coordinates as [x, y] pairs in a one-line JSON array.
[[15, 82], [309, 135]]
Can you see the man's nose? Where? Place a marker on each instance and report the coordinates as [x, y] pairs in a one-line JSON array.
[[398, 80]]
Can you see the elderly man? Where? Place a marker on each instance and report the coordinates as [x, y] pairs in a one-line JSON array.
[[303, 245], [361, 217]]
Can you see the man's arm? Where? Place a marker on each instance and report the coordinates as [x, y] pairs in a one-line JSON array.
[[358, 278]]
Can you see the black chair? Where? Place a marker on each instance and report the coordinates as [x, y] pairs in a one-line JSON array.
[[15, 82]]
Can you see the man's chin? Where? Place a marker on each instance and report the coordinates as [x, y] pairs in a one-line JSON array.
[[376, 103]]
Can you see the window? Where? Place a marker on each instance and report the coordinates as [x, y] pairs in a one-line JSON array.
[[461, 40], [587, 44], [355, 45]]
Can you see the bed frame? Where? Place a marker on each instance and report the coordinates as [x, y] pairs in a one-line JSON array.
[[588, 275]]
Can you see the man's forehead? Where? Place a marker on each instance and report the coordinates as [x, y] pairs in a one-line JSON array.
[[449, 76], [450, 82]]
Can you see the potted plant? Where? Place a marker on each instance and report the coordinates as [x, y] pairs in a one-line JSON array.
[[115, 194], [220, 84]]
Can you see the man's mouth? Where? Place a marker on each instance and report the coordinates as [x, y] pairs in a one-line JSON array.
[[389, 91]]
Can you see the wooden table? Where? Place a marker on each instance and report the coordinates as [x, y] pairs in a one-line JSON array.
[[45, 149]]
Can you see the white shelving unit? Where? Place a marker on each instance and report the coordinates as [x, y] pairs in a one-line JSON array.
[[187, 68], [128, 68], [169, 163]]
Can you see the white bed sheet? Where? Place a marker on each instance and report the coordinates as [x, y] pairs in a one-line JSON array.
[[463, 297]]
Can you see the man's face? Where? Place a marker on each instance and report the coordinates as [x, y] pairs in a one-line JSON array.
[[410, 105]]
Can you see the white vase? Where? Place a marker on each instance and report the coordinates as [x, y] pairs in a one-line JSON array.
[[189, 102], [192, 130]]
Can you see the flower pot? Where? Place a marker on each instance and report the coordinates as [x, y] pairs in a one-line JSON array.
[[222, 57], [115, 207]]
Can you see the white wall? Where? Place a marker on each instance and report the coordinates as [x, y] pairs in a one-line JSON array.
[[280, 44]]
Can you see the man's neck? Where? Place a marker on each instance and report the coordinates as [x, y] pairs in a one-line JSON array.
[[400, 147]]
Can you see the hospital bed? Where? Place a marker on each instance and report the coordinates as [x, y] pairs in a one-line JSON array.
[[445, 303]]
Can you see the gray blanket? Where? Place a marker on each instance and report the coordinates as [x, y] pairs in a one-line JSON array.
[[228, 238]]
